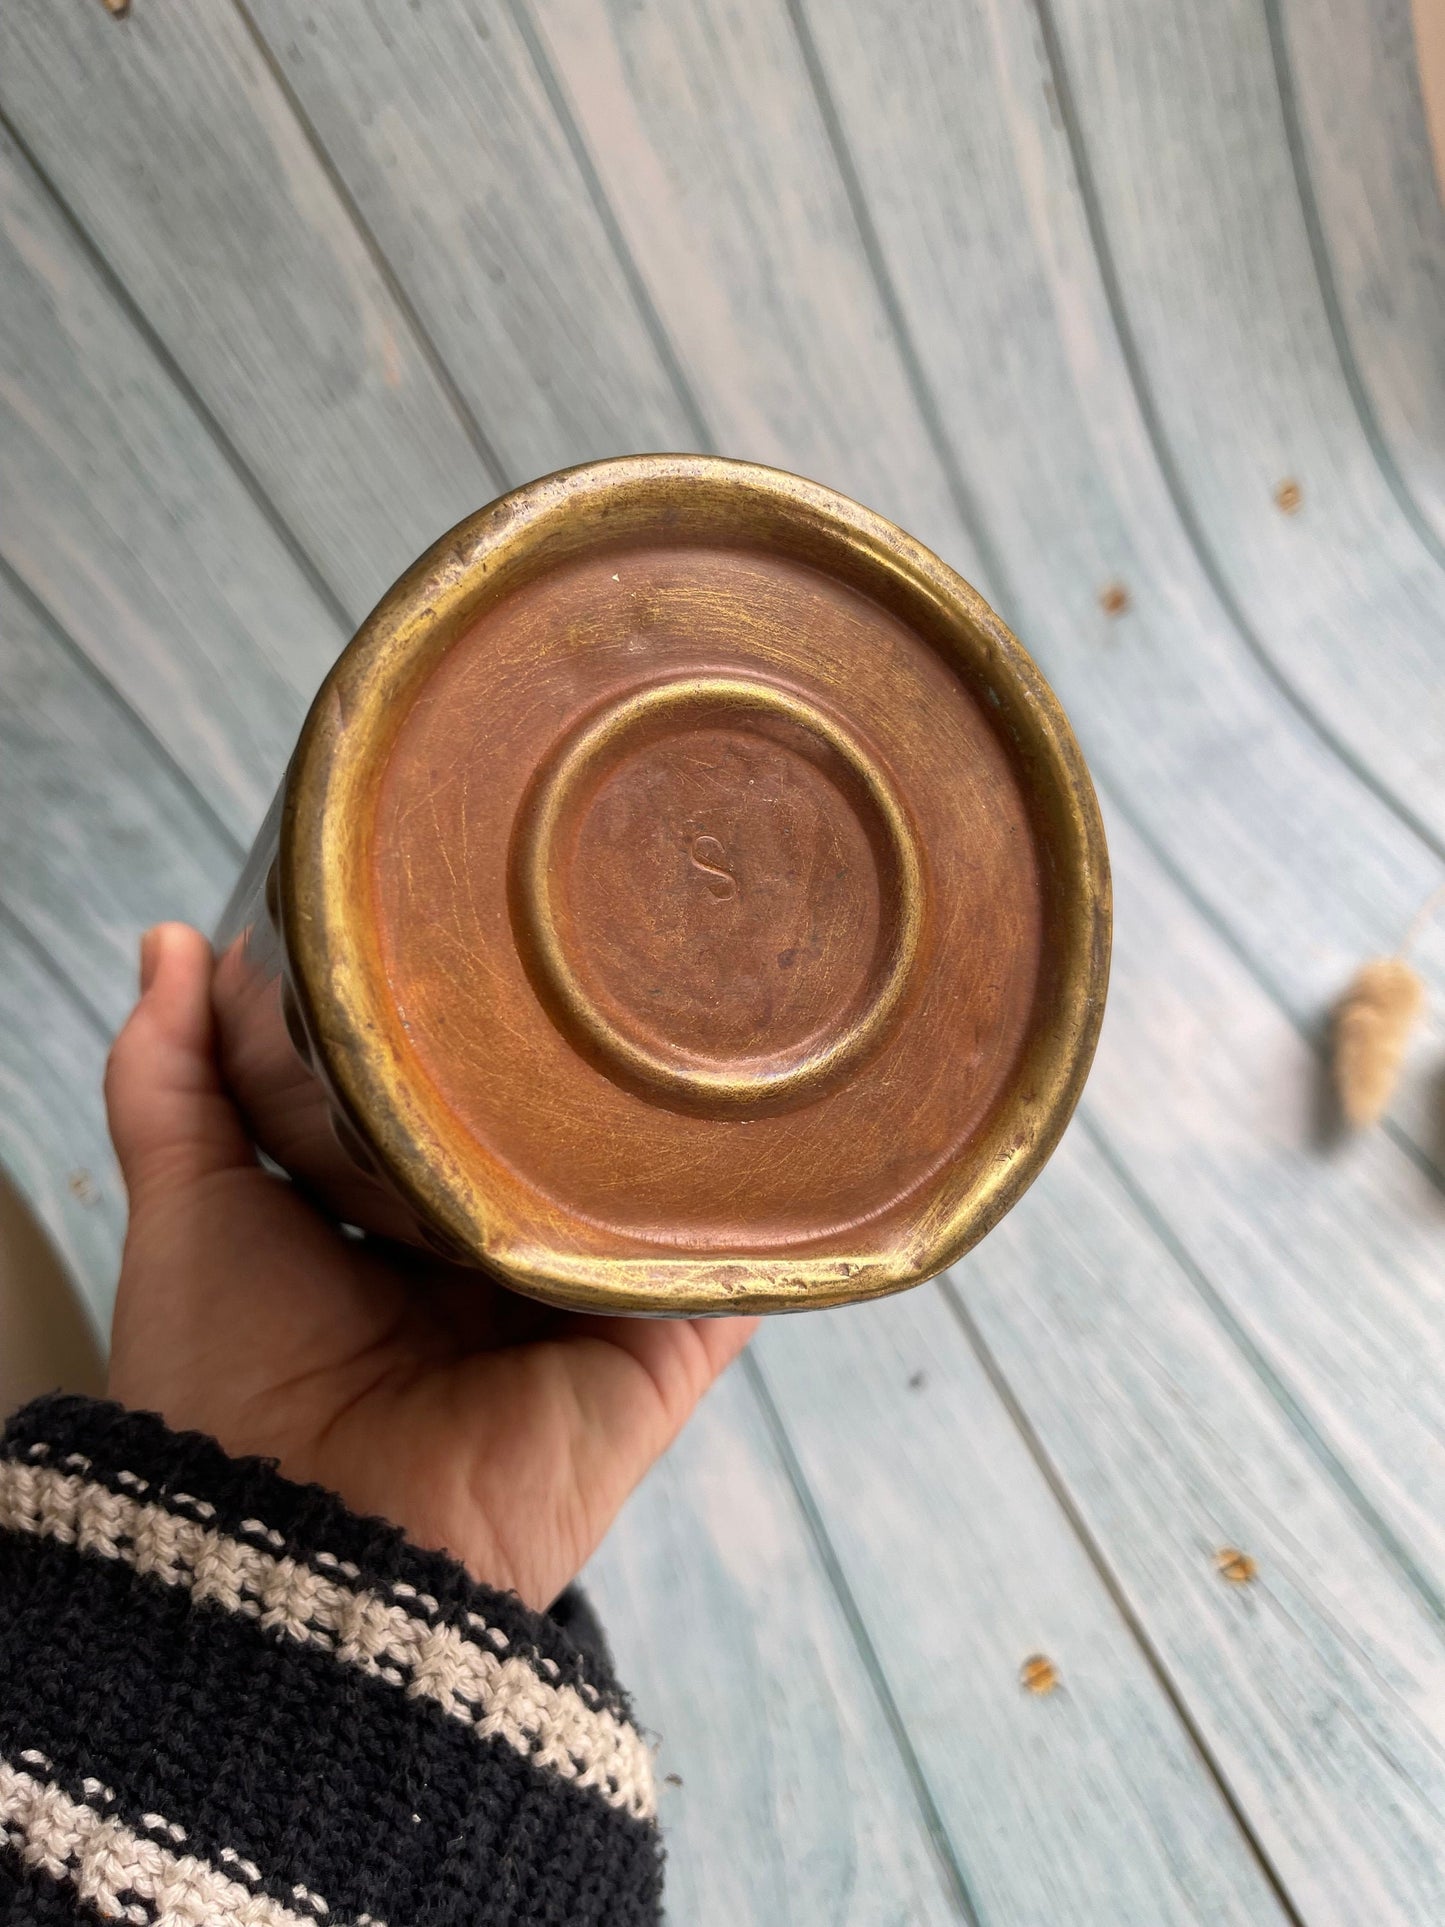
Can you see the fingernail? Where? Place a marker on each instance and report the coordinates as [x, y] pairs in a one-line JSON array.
[[150, 951]]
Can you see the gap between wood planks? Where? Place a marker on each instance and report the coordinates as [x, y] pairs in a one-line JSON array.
[[1115, 1589], [933, 1820], [193, 399], [114, 695], [1183, 506], [1319, 731], [470, 425], [1001, 574], [1329, 291]]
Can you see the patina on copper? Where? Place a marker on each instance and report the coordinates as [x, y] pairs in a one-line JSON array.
[[725, 972], [690, 898]]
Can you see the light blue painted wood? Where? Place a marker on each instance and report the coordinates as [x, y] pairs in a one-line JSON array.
[[52, 1137], [959, 149], [1127, 1373], [850, 1845], [718, 169], [121, 515], [1084, 1804], [1351, 74], [782, 1790], [793, 1703], [1326, 1256], [70, 738], [1183, 129], [1010, 395], [1319, 1686], [174, 144], [444, 134], [99, 837]]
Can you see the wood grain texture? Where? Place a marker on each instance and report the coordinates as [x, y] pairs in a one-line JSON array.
[[783, 1794], [99, 837], [52, 1136], [175, 146], [442, 130], [1085, 1804], [1186, 146], [1353, 70], [730, 202], [959, 149], [122, 516], [1317, 1686], [1218, 1326], [1325, 1255]]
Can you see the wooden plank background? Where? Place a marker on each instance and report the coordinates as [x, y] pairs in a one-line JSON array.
[[1071, 290]]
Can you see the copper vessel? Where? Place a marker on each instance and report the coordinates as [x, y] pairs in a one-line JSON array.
[[686, 896]]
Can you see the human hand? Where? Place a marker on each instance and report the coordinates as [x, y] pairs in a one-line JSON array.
[[481, 1423]]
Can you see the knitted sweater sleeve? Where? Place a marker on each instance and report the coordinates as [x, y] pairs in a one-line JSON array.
[[226, 1699]]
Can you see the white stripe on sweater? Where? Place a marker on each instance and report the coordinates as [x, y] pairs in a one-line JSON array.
[[502, 1698], [123, 1874]]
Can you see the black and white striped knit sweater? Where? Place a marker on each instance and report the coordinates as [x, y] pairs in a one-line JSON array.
[[225, 1699]]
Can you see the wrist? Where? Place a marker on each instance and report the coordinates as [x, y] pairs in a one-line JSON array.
[[200, 1637]]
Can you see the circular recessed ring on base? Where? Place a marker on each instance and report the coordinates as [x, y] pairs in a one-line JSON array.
[[633, 1052]]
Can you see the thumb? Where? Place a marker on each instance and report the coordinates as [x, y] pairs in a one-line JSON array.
[[170, 1118]]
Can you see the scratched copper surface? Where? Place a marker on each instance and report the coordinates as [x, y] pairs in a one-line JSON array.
[[690, 896]]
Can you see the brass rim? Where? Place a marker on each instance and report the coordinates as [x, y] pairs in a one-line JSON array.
[[326, 889]]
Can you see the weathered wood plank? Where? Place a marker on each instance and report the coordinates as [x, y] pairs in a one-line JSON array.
[[444, 134], [1319, 1685], [1186, 146], [957, 144], [1326, 1256], [1352, 69], [747, 244], [174, 144], [119, 512], [882, 1813], [794, 457], [718, 168], [1328, 1265], [1216, 715], [99, 837], [783, 1794], [849, 1845], [829, 1820], [1087, 1804], [52, 1135]]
